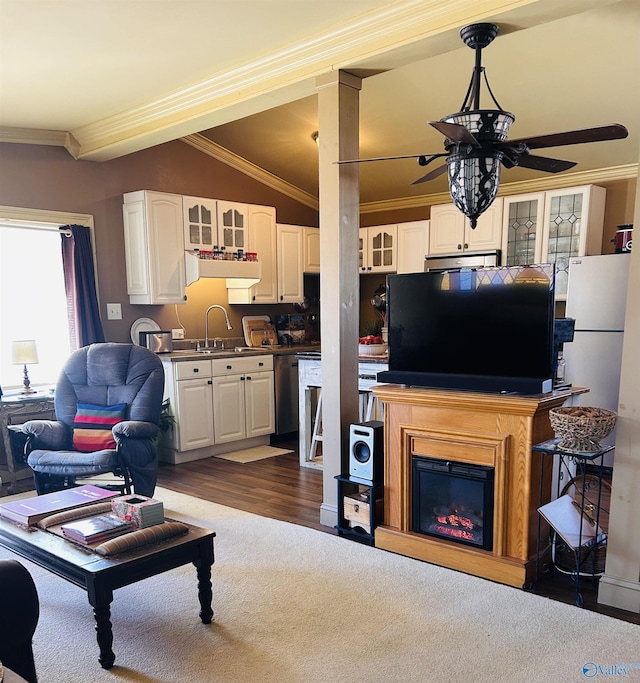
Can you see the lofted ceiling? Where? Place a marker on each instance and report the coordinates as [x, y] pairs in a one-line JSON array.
[[236, 78]]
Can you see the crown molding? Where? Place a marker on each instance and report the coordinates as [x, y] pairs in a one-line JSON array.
[[34, 136], [212, 149], [541, 184]]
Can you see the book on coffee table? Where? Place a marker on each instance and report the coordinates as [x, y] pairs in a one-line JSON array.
[[96, 529], [30, 511]]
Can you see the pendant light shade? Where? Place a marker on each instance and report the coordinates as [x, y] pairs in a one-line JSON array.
[[474, 182]]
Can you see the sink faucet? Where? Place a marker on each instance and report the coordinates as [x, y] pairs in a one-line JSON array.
[[206, 322]]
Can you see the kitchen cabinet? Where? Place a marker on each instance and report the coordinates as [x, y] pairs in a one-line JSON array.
[[311, 250], [233, 225], [573, 225], [218, 405], [377, 251], [450, 231], [289, 241], [262, 241], [192, 404], [243, 398], [280, 251], [154, 247], [413, 244], [553, 227], [200, 220], [522, 227]]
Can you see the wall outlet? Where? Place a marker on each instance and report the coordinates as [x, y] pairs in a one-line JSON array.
[[177, 333], [114, 312]]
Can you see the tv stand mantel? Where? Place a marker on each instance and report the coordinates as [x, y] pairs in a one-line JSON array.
[[483, 429]]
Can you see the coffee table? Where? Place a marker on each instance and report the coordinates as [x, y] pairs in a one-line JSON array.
[[100, 576]]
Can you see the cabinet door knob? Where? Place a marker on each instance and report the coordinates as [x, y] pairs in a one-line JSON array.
[[459, 246], [466, 246], [229, 367], [196, 369], [248, 377], [210, 381]]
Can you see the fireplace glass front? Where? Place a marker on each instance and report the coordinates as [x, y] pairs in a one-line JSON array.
[[453, 501]]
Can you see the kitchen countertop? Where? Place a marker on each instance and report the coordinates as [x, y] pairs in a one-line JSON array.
[[192, 354], [315, 355]]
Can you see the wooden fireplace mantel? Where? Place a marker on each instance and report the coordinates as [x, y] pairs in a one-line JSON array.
[[484, 429]]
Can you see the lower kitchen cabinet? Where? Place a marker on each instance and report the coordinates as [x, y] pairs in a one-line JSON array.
[[218, 405], [243, 399]]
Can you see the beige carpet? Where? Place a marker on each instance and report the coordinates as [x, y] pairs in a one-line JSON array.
[[253, 454], [295, 605]]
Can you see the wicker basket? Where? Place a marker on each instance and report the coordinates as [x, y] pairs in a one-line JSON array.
[[587, 561], [580, 429]]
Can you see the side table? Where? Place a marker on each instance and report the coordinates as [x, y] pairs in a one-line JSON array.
[[588, 502], [38, 405], [360, 508]]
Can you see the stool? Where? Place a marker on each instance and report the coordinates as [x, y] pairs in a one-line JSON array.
[[316, 435]]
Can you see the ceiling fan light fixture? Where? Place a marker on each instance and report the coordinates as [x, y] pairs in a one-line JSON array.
[[484, 124], [473, 182]]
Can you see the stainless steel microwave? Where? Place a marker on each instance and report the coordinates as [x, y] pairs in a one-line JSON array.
[[478, 259]]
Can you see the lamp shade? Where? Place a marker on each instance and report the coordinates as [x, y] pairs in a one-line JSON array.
[[24, 352]]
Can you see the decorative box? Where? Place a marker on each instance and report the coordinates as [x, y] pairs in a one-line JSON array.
[[142, 511]]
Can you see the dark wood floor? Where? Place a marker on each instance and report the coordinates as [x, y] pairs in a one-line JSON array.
[[280, 489]]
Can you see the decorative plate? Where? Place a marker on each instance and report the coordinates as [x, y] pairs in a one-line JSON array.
[[142, 325]]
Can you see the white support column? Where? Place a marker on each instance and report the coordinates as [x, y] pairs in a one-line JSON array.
[[338, 116], [620, 584]]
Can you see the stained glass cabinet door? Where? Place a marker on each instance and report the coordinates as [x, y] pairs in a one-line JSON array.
[[573, 225]]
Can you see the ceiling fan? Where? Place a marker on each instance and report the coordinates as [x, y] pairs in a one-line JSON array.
[[476, 143]]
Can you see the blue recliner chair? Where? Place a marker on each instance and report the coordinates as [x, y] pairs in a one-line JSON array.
[[108, 402]]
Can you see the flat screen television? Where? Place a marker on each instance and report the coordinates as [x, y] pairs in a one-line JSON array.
[[484, 329]]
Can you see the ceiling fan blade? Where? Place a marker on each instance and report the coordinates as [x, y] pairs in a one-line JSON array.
[[613, 131], [361, 161], [544, 163], [455, 132], [431, 175]]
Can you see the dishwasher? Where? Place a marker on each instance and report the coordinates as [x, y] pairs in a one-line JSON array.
[[286, 388]]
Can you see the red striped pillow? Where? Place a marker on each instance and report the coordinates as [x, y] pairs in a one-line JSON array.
[[92, 426]]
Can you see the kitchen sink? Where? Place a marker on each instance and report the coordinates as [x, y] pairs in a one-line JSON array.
[[215, 352]]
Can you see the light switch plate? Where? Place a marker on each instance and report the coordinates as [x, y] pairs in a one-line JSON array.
[[177, 333], [114, 312]]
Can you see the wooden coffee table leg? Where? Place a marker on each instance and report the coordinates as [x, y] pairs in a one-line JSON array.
[[205, 594], [100, 599]]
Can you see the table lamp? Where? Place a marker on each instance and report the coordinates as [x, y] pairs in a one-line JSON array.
[[24, 352]]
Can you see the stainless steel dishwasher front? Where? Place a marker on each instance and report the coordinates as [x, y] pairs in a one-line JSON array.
[[286, 388]]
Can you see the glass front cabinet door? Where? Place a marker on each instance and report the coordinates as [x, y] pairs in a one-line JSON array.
[[553, 227]]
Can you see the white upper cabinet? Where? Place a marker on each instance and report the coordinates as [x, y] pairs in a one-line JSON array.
[[311, 250], [553, 227], [262, 241], [289, 240], [450, 231], [210, 223], [377, 251], [522, 228], [233, 225], [573, 221], [154, 247], [200, 223], [413, 244]]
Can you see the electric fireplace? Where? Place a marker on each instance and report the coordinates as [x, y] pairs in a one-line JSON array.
[[453, 501]]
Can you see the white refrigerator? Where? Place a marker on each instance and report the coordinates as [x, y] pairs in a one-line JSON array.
[[596, 299]]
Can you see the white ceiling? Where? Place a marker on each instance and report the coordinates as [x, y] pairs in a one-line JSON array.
[[108, 77]]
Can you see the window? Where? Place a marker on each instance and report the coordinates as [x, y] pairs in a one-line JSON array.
[[32, 301]]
